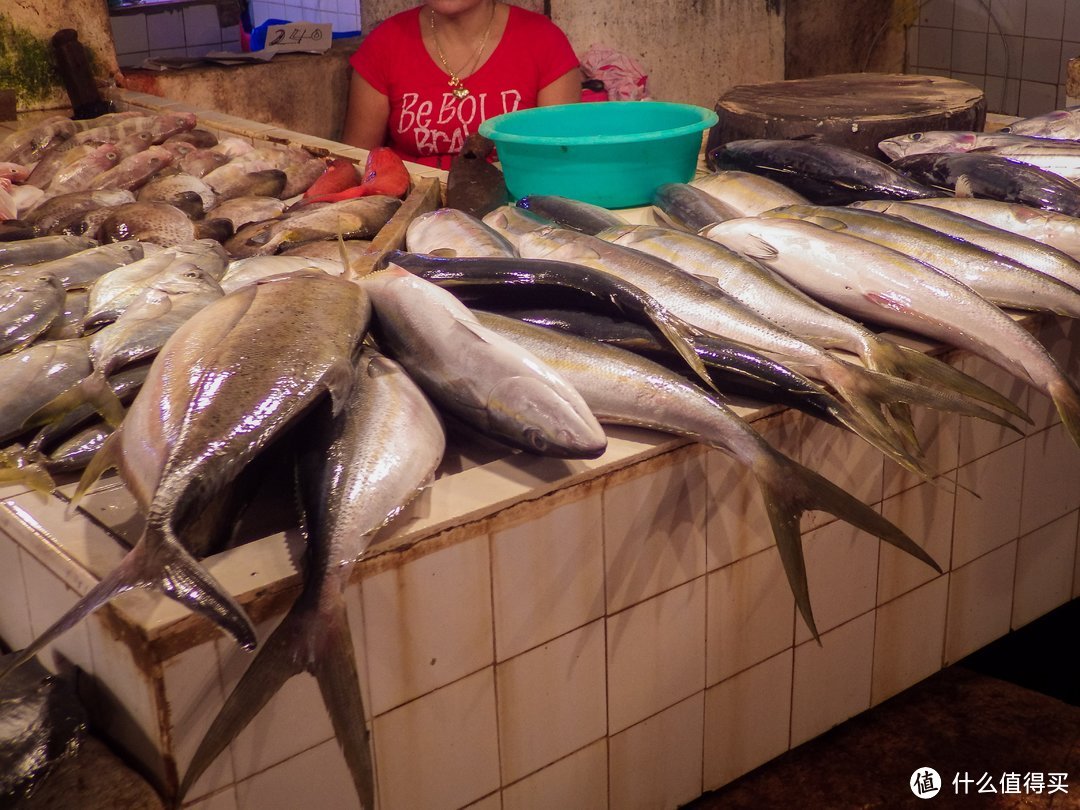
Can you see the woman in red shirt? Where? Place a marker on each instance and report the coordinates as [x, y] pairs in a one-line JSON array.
[[426, 78]]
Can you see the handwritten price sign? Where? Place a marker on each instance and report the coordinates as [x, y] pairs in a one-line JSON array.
[[298, 36]]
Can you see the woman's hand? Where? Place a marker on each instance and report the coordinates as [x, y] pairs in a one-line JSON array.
[[366, 115], [564, 90]]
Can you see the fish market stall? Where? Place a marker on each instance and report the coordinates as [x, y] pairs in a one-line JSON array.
[[539, 632]]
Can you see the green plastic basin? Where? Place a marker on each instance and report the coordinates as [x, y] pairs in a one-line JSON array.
[[609, 153]]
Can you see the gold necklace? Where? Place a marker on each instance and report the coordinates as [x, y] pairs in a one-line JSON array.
[[456, 87]]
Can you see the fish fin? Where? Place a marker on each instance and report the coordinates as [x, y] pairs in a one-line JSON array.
[[307, 640], [759, 249], [913, 364], [29, 473], [680, 335], [827, 222], [444, 253], [338, 380], [789, 489], [106, 458], [94, 390], [1067, 401], [963, 187]]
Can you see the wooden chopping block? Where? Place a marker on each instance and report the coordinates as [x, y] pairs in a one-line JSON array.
[[856, 110]]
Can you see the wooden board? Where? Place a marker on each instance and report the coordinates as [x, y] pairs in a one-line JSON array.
[[856, 110]]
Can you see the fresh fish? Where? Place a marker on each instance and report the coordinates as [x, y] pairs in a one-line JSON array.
[[233, 147], [338, 174], [246, 179], [158, 223], [358, 472], [354, 250], [221, 389], [301, 170], [736, 370], [15, 172], [53, 159], [27, 144], [28, 306], [134, 171], [688, 208], [53, 211], [41, 249], [199, 138], [1056, 124], [583, 286], [474, 184], [384, 174], [749, 194], [9, 209], [821, 172], [34, 376], [360, 219], [81, 174], [200, 162], [947, 140], [1048, 227], [622, 388], [1026, 250], [512, 222], [254, 268], [160, 127], [133, 144], [486, 381], [75, 452], [707, 307], [68, 324], [975, 174], [26, 197], [82, 268], [888, 287], [451, 232], [999, 279], [241, 211], [168, 189], [775, 299], [572, 214], [86, 223], [14, 230]]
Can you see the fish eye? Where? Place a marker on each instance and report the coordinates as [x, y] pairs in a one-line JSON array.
[[536, 439], [916, 136]]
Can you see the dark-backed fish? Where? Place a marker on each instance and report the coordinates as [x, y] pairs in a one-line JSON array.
[[572, 214]]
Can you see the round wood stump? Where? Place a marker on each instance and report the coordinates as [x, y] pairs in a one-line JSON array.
[[856, 110]]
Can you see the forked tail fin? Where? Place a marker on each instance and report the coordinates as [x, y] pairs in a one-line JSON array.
[[789, 489], [1067, 400], [307, 640]]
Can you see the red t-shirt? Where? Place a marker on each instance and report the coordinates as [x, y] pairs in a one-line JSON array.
[[428, 124]]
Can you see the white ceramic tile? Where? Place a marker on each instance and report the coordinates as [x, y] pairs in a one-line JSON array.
[[909, 639], [48, 599], [750, 614], [1045, 18], [547, 575], [1051, 473], [453, 733], [990, 517], [14, 610], [492, 802], [201, 26], [935, 47], [126, 698], [939, 436], [843, 458], [222, 800], [980, 602], [1041, 62], [925, 513], [737, 524], [655, 654], [658, 763], [654, 530], [165, 30], [971, 15], [355, 612], [317, 777], [1045, 560], [1036, 97], [428, 622], [937, 13], [292, 721], [977, 436], [579, 781], [968, 51], [832, 680], [1003, 56], [1010, 15], [192, 682], [129, 33], [841, 569], [551, 701], [747, 720], [1002, 95]]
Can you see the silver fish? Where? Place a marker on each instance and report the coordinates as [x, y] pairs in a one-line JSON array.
[[168, 189], [81, 174], [572, 214], [688, 208], [28, 306], [451, 232], [623, 388], [358, 472], [34, 376], [223, 386], [512, 222], [917, 143], [253, 268], [68, 324], [243, 210], [51, 212], [41, 249], [135, 170], [749, 194], [27, 144], [1056, 124], [485, 380], [82, 268], [888, 287]]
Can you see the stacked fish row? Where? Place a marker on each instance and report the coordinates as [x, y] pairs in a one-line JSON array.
[[279, 372]]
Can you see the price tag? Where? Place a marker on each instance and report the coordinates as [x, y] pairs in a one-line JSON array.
[[298, 36]]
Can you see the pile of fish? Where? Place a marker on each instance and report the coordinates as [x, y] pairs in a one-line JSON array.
[[203, 336]]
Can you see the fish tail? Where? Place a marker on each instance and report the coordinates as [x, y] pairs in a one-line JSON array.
[[28, 473], [94, 390], [1067, 401], [106, 458], [910, 364], [307, 640], [680, 335], [178, 575], [129, 573], [789, 489]]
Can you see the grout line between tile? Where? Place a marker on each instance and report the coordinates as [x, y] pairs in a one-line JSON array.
[[607, 641]]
